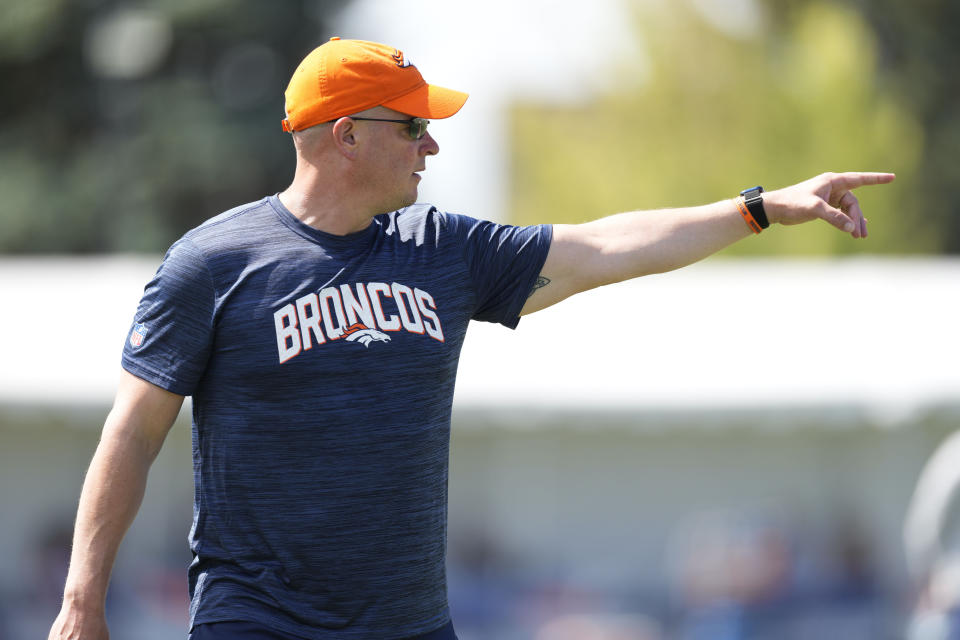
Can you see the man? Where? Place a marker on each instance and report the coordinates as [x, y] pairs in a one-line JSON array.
[[318, 332]]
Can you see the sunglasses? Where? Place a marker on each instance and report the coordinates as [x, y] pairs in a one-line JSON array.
[[418, 126]]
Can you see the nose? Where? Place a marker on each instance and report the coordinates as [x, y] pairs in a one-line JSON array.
[[428, 146]]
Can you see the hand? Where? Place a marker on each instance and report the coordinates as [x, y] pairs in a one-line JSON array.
[[828, 196], [76, 624]]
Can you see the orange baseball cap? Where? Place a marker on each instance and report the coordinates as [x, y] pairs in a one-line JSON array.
[[342, 77]]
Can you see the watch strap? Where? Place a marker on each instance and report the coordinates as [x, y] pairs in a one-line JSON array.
[[753, 198], [747, 216]]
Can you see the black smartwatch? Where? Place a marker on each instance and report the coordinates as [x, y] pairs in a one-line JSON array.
[[754, 200]]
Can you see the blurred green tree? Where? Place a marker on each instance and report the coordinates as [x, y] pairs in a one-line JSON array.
[[920, 46], [122, 125], [720, 111]]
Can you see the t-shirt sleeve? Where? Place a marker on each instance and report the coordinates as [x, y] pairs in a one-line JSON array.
[[504, 262], [169, 342]]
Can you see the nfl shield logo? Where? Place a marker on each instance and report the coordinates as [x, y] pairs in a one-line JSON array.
[[138, 334]]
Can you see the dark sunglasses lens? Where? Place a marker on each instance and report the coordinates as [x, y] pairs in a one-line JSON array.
[[418, 128]]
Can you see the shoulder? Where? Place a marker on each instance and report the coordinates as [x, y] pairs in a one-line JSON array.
[[238, 222], [197, 252]]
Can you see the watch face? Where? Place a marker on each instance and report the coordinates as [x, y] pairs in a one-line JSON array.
[[752, 192]]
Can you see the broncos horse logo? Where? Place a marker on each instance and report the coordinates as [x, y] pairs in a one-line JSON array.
[[400, 60], [359, 332]]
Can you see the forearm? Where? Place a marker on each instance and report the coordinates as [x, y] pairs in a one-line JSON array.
[[637, 243], [112, 492], [111, 495], [629, 245]]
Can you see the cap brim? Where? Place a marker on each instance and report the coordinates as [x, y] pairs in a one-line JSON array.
[[429, 101]]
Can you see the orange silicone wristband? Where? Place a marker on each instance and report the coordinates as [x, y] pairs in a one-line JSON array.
[[747, 216]]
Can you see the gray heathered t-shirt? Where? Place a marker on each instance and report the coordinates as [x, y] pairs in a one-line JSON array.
[[322, 372]]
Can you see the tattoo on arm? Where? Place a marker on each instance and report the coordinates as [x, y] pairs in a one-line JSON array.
[[539, 284]]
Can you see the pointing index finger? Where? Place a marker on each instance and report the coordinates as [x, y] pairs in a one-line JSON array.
[[854, 179]]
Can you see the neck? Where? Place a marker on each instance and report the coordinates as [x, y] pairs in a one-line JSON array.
[[324, 205]]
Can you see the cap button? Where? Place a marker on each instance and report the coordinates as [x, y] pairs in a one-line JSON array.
[[334, 38]]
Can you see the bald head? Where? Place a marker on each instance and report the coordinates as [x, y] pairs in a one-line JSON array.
[[307, 140], [321, 137]]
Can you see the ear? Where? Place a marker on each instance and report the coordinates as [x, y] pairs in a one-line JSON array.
[[344, 137]]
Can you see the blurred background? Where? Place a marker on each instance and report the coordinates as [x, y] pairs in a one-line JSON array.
[[630, 464]]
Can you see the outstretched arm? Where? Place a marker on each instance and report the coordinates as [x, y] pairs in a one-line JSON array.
[[133, 433], [638, 243]]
